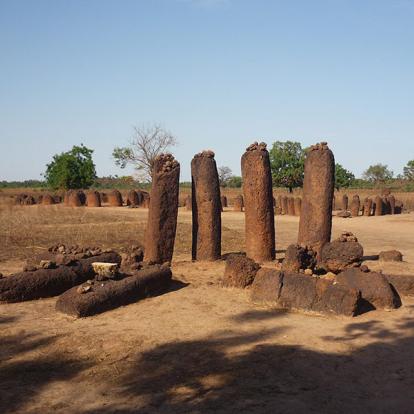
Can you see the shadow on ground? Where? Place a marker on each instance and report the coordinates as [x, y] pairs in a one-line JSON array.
[[245, 373]]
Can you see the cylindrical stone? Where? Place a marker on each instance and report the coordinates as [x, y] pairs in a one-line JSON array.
[[74, 199], [284, 205], [344, 203], [206, 244], [367, 207], [315, 224], [258, 199], [391, 200], [133, 198], [238, 203], [355, 206], [47, 200], [386, 205], [378, 206], [93, 199], [291, 206], [188, 203], [163, 210], [298, 206], [223, 199], [115, 198]]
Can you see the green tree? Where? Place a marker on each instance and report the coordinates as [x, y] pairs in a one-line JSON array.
[[409, 170], [234, 182], [378, 173], [343, 177], [72, 169], [287, 160], [224, 175]]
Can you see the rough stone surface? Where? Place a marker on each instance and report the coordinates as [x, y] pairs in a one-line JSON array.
[[367, 207], [344, 203], [337, 255], [378, 206], [391, 256], [101, 297], [391, 201], [93, 199], [403, 284], [131, 260], [224, 203], [134, 198], [43, 283], [74, 199], [355, 206], [315, 222], [238, 203], [48, 200], [343, 214], [297, 291], [297, 258], [298, 206], [291, 206], [24, 199], [375, 289], [206, 240], [115, 199], [258, 198], [163, 210], [240, 271]]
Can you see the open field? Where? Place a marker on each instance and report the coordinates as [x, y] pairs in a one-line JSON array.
[[199, 348]]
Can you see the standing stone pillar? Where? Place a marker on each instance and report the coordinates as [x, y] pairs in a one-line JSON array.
[[298, 206], [238, 203], [284, 205], [355, 206], [344, 202], [188, 203], [163, 210], [315, 222], [334, 203], [378, 206], [391, 200], [223, 199], [258, 200], [93, 199], [206, 207], [367, 207], [278, 207], [291, 206]]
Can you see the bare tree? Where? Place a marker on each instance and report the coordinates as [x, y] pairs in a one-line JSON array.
[[146, 144], [224, 174]]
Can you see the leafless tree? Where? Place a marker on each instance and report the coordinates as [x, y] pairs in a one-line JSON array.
[[224, 174], [146, 144]]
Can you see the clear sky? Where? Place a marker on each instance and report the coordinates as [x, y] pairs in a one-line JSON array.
[[218, 73]]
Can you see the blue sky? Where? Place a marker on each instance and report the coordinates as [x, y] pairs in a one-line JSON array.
[[218, 73]]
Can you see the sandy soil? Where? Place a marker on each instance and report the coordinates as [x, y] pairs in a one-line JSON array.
[[201, 348]]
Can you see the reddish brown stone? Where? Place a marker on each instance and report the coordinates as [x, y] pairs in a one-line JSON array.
[[238, 203], [344, 203], [134, 198], [47, 200], [223, 200], [115, 199], [163, 210], [391, 256], [93, 199], [315, 222], [298, 206], [258, 197], [367, 207], [284, 205], [74, 199], [239, 271], [298, 258], [391, 203], [291, 206], [338, 255], [355, 206], [378, 206], [206, 241]]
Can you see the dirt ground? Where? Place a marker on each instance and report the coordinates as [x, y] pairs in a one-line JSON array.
[[201, 348]]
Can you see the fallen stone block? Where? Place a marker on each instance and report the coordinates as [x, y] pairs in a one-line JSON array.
[[338, 255], [240, 271], [391, 256], [297, 258], [43, 283], [103, 296], [403, 284], [302, 292], [376, 291]]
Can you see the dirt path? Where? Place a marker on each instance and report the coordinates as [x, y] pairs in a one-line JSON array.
[[201, 348]]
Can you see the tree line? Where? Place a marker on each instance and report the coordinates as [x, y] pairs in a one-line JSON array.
[[75, 169]]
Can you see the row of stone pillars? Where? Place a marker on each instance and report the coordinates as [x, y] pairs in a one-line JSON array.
[[316, 213]]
